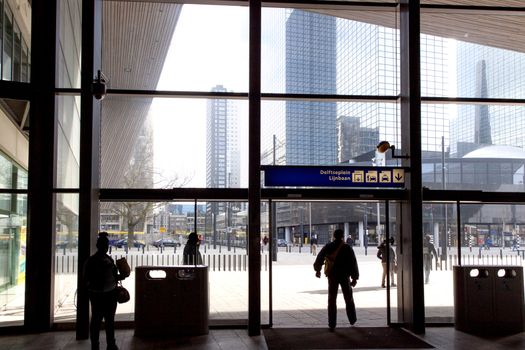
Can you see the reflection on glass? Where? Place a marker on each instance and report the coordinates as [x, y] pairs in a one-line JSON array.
[[13, 226], [329, 51], [68, 142], [66, 256], [467, 55], [70, 44], [170, 143]]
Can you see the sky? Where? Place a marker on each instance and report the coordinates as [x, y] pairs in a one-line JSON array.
[[209, 48]]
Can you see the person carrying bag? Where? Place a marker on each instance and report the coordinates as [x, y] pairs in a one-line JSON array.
[[340, 267]]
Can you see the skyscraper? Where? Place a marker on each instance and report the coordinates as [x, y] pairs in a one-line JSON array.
[[483, 72], [222, 143], [311, 133]]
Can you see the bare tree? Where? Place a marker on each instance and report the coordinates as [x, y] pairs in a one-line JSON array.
[[141, 174]]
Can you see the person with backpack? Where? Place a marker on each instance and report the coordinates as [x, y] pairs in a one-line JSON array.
[[341, 269]]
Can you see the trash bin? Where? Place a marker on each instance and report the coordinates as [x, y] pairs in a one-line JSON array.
[[488, 299], [171, 301]]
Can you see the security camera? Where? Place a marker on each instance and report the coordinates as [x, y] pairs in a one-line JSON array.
[[99, 86]]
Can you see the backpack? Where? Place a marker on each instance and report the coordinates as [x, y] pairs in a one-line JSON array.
[[329, 261]]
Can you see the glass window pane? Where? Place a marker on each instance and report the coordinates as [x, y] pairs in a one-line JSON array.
[[477, 147], [160, 231], [68, 141], [343, 51], [17, 54], [69, 44], [326, 133], [472, 54], [13, 226], [66, 257], [166, 143], [488, 229], [440, 233], [24, 77], [175, 46], [14, 143], [8, 45]]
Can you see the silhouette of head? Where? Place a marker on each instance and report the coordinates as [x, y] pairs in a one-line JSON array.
[[339, 234], [103, 242], [192, 238]]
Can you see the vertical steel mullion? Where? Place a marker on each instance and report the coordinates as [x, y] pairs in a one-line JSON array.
[[387, 234], [254, 172], [273, 249], [458, 229], [39, 291], [412, 283], [91, 62]]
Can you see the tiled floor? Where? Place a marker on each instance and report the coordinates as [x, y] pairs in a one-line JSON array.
[[439, 337]]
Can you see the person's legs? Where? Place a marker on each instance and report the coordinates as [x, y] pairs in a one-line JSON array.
[[333, 286], [427, 271], [383, 278], [392, 276], [110, 307], [97, 314], [349, 300]]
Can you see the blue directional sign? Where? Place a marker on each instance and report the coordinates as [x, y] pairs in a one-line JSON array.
[[334, 176]]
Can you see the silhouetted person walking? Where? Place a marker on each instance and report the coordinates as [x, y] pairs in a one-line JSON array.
[[342, 267], [101, 276], [429, 251], [191, 254]]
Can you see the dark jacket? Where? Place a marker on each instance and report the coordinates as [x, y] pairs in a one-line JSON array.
[[381, 253], [100, 273], [345, 264]]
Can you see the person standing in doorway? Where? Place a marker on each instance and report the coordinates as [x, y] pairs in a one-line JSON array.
[[101, 276], [381, 254], [342, 271]]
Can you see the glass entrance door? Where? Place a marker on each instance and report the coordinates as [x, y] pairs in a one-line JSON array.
[[298, 231]]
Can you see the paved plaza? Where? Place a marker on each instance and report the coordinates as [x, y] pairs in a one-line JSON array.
[[299, 299]]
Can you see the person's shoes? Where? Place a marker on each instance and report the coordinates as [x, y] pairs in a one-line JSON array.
[[332, 329], [353, 322], [383, 286], [393, 284]]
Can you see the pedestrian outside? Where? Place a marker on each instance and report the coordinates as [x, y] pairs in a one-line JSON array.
[[344, 273], [428, 252], [191, 254], [382, 254]]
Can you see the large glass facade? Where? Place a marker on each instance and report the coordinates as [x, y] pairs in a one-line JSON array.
[[175, 124]]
